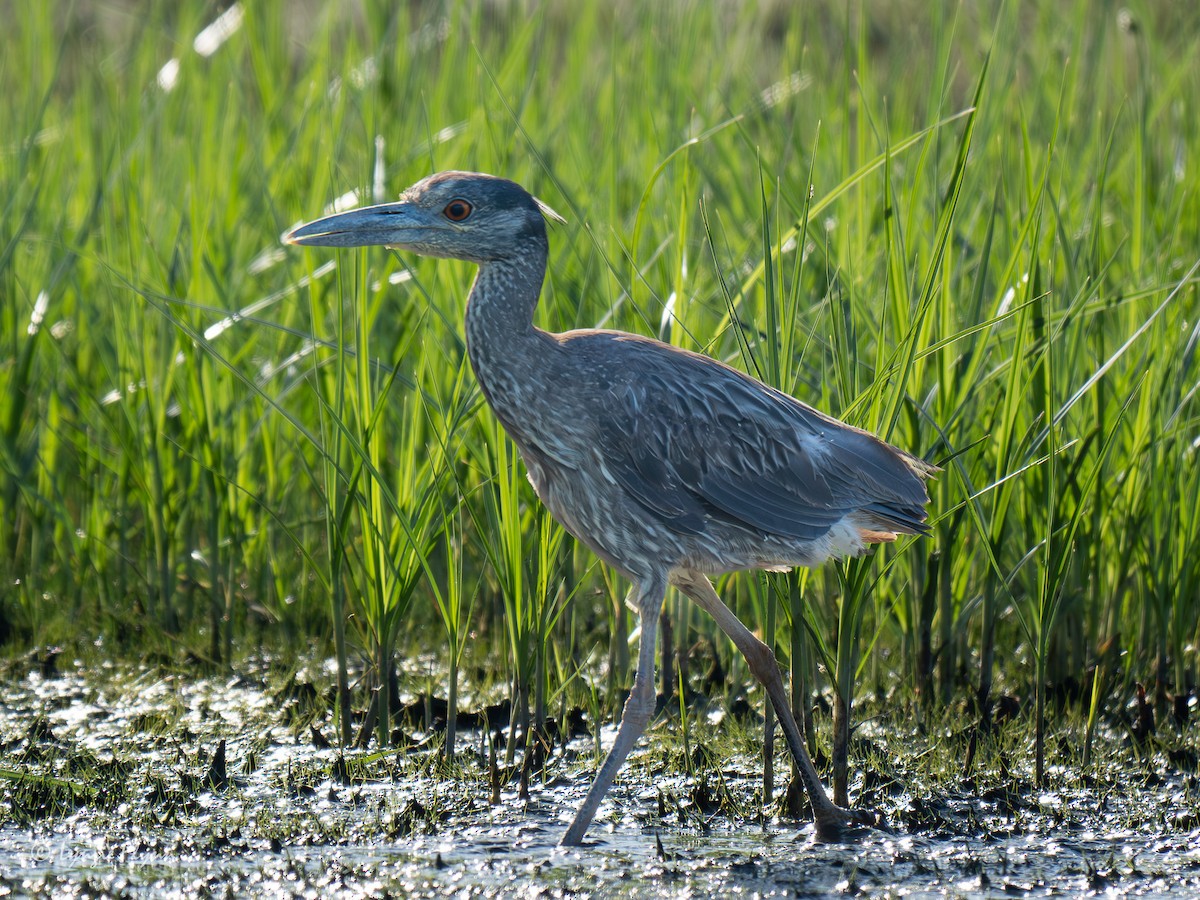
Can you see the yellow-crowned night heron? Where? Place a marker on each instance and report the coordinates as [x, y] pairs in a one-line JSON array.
[[669, 465]]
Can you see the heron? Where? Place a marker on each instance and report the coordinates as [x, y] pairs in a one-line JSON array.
[[671, 466]]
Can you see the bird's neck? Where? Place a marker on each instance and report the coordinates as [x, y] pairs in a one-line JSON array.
[[503, 298], [505, 349]]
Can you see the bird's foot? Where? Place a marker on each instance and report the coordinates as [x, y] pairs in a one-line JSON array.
[[573, 836], [837, 825]]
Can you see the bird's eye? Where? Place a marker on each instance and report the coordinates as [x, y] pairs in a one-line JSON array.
[[458, 210]]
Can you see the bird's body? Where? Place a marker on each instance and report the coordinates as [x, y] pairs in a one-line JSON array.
[[668, 464], [716, 491]]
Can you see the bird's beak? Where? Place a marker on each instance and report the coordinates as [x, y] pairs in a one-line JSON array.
[[388, 225]]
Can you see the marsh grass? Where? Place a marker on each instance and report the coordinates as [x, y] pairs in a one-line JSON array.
[[984, 251]]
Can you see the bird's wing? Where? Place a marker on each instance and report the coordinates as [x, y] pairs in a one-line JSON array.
[[691, 439]]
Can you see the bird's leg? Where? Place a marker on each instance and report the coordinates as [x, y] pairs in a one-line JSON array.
[[636, 715], [831, 820]]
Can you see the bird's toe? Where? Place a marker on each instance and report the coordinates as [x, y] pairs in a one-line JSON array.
[[841, 826]]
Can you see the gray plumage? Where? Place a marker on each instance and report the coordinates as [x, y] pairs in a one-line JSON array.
[[669, 465]]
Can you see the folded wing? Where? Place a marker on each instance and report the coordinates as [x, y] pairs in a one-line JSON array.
[[693, 440]]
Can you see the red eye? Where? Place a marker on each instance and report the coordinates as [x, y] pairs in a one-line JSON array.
[[458, 210]]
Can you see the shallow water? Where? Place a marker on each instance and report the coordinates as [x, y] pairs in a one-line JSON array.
[[521, 857], [137, 808]]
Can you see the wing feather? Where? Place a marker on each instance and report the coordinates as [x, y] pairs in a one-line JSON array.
[[691, 439]]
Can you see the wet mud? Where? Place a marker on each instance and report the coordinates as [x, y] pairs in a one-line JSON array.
[[153, 784]]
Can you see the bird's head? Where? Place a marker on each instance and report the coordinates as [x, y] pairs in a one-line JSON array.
[[454, 215]]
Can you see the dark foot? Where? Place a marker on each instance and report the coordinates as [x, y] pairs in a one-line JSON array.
[[836, 825], [573, 845], [573, 837]]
